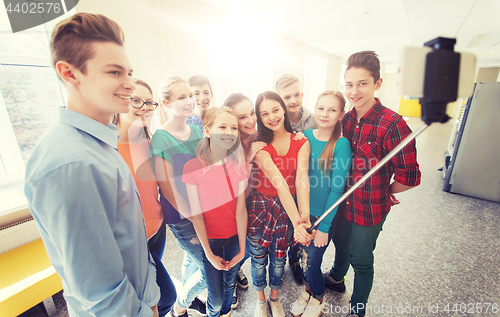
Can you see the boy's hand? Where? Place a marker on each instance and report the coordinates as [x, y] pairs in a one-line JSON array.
[[298, 136], [393, 200]]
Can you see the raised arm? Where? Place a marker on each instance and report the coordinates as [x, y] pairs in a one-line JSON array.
[[266, 164]]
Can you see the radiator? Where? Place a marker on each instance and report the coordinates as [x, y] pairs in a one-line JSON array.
[[18, 234]]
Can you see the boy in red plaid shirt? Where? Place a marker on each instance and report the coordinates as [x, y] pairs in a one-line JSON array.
[[373, 131]]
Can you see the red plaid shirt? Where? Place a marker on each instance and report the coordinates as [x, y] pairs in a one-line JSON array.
[[372, 138]]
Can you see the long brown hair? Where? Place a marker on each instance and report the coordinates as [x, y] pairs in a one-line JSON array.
[[116, 117], [265, 134], [326, 157]]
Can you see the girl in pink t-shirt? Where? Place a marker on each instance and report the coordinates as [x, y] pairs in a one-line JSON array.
[[215, 184]]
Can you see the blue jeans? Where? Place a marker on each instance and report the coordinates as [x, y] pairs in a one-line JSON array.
[[188, 241], [156, 246], [221, 284], [261, 257], [188, 268], [355, 245], [312, 257]]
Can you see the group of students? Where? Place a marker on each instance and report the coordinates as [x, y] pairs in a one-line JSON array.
[[230, 182]]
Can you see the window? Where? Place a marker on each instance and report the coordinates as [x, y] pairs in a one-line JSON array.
[[29, 95]]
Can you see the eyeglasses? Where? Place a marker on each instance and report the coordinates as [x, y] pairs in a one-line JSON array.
[[138, 103]]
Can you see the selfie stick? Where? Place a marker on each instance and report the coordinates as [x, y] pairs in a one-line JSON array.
[[440, 88]]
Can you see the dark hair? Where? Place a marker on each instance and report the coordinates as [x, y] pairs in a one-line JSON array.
[[367, 60], [266, 135], [72, 38], [200, 80], [116, 117], [234, 99]]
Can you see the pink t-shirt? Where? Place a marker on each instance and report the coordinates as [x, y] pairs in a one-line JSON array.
[[217, 190]]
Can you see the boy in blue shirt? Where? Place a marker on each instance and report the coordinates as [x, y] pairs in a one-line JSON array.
[[80, 190]]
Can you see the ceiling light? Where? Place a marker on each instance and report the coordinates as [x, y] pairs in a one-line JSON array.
[[476, 40]]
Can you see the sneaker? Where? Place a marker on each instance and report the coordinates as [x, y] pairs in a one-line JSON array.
[[300, 304], [198, 306], [352, 315], [260, 310], [234, 301], [333, 284], [242, 280], [314, 308], [297, 272], [171, 313], [276, 308], [227, 315]]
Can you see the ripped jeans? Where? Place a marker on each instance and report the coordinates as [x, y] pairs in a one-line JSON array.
[[188, 241], [261, 257]]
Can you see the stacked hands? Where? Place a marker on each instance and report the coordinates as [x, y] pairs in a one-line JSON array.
[[300, 233]]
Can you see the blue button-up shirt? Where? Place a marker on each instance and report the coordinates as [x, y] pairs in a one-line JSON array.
[[85, 201]]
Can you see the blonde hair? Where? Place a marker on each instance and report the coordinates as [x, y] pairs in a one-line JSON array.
[[203, 150], [165, 92], [326, 157], [285, 81]]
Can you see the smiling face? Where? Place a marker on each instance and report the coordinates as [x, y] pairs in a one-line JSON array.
[[203, 96], [106, 86], [272, 115], [247, 120], [223, 132], [328, 111], [360, 87], [292, 96], [181, 101], [139, 116]]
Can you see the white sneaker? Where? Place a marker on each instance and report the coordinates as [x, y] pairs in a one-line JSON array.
[[300, 304], [261, 310], [276, 308], [314, 308], [227, 315]]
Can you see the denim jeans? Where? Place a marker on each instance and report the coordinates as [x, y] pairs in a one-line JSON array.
[[221, 284], [188, 241], [355, 245], [312, 257], [261, 257], [167, 289], [189, 268]]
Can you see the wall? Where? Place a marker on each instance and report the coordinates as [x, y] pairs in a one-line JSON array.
[[178, 38], [389, 93]]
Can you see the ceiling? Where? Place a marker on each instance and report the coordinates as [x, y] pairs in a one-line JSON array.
[[342, 27]]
